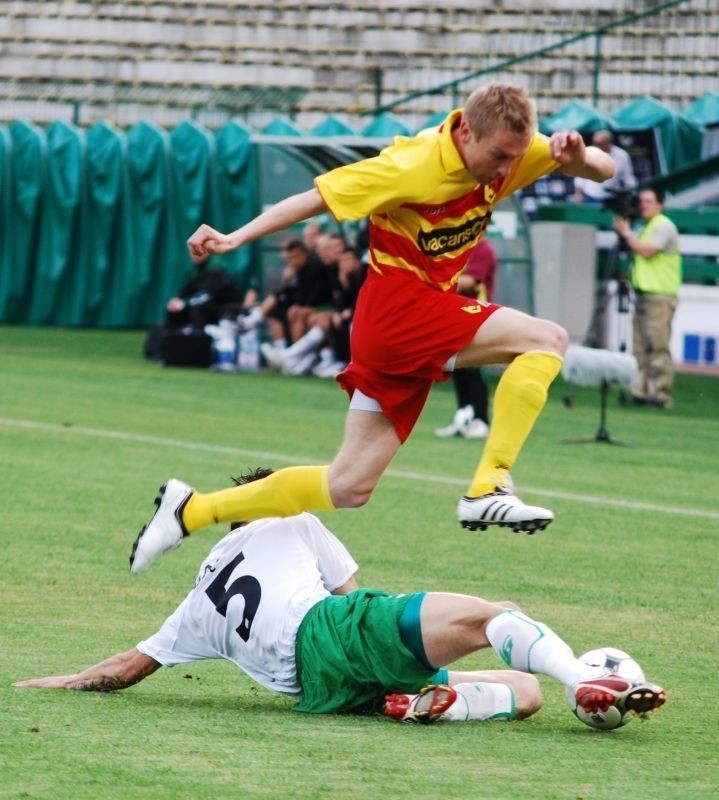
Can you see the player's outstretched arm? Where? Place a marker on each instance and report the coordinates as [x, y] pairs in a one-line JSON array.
[[578, 160], [117, 672], [206, 241]]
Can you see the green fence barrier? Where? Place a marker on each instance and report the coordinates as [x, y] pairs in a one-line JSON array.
[[26, 169], [94, 223]]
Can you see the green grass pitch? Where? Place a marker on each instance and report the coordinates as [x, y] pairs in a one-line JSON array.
[[89, 430]]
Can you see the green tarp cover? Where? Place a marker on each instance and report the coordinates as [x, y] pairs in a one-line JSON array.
[[680, 137], [106, 249], [281, 127], [95, 223], [331, 126], [435, 120], [704, 110], [386, 126], [236, 187], [576, 116], [25, 181]]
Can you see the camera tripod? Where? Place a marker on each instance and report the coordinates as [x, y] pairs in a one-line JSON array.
[[602, 434], [600, 366]]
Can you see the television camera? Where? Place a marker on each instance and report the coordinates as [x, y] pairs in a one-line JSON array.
[[622, 202]]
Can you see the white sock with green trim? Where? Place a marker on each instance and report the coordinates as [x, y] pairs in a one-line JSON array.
[[481, 701], [530, 646]]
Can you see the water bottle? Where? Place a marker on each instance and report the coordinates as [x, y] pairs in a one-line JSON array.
[[224, 345], [248, 351]]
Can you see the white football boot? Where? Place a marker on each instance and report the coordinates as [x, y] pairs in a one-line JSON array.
[[165, 531], [600, 694], [273, 355], [503, 508], [462, 418], [475, 429]]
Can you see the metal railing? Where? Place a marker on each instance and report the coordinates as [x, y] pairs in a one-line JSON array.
[[592, 55]]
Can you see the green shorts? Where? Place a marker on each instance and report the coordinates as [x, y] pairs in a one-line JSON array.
[[350, 652]]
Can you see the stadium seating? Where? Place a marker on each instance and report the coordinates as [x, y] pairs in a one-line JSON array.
[[96, 58]]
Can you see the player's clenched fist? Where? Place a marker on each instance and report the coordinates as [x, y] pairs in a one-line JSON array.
[[567, 147], [206, 241]]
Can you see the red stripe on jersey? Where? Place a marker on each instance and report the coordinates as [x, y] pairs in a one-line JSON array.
[[438, 271], [480, 196]]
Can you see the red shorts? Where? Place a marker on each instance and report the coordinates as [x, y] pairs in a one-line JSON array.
[[403, 333]]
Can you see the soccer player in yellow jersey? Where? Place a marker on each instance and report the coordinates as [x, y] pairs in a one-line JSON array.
[[429, 200]]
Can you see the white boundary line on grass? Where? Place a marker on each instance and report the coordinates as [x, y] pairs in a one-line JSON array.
[[283, 457]]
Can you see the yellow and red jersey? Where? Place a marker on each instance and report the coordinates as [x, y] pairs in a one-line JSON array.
[[426, 211]]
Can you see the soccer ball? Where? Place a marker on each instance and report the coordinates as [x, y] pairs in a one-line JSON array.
[[608, 661]]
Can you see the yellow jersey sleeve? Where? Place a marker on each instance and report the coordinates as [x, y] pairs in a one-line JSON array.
[[408, 171]]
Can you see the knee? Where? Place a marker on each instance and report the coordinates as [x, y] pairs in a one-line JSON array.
[[556, 338], [506, 605], [527, 695], [542, 334], [347, 493], [349, 497]]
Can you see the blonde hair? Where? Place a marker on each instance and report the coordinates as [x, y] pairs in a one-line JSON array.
[[500, 105]]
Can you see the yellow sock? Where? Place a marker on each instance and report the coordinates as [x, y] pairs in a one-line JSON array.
[[520, 396], [282, 494]]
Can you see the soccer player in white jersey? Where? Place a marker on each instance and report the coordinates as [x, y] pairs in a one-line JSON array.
[[278, 598]]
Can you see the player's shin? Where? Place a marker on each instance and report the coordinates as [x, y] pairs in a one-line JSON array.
[[481, 701], [530, 646], [282, 494], [520, 396]]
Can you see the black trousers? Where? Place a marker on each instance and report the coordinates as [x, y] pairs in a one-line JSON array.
[[471, 390]]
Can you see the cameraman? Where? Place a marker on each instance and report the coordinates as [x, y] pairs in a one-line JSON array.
[[593, 193], [656, 278]]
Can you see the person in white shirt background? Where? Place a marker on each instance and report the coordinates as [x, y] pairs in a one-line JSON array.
[[591, 192]]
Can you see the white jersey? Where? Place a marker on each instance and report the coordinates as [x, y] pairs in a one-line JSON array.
[[252, 592]]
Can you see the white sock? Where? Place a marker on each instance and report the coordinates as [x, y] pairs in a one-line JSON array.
[[314, 337], [530, 646], [253, 318], [327, 356], [481, 701]]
